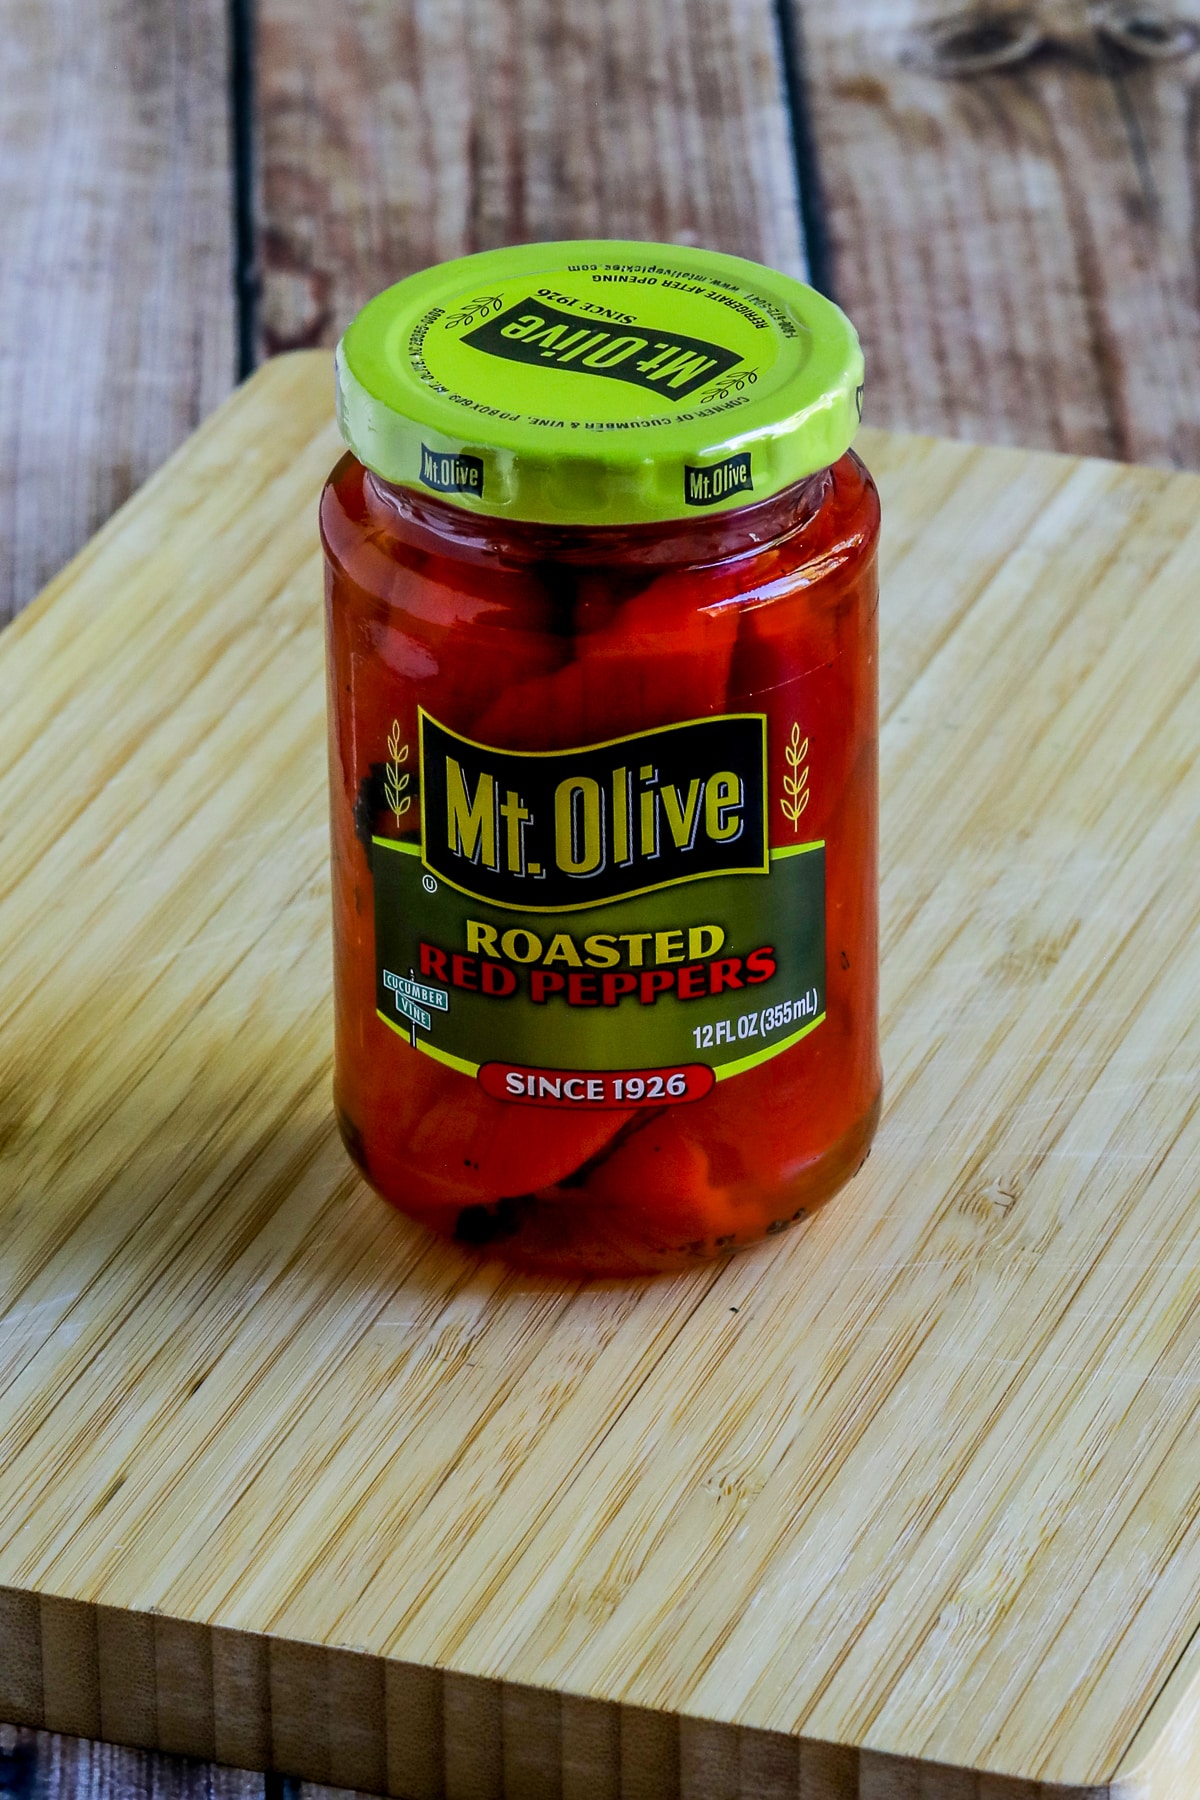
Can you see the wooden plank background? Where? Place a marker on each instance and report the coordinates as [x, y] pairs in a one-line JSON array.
[[391, 136], [116, 308], [1004, 199], [1017, 243]]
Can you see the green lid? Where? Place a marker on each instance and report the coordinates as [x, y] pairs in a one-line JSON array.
[[599, 383]]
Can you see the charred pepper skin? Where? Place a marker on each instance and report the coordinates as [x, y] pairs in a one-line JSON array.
[[491, 631]]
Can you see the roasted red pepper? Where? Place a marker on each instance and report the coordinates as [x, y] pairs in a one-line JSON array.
[[789, 632]]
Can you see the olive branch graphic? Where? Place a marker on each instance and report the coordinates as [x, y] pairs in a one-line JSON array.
[[481, 307], [795, 786], [730, 384], [395, 779]]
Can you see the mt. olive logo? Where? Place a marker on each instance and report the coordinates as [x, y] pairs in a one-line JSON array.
[[665, 362], [704, 487], [451, 473], [565, 829]]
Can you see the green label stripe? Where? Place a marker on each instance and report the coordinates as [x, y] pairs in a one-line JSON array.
[[423, 1044], [724, 1070], [796, 849], [729, 972]]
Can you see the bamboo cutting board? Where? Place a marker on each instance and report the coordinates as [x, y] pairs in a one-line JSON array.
[[904, 1507]]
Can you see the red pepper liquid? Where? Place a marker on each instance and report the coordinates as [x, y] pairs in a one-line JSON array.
[[530, 638]]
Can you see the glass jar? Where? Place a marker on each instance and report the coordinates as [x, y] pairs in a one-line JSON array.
[[603, 747]]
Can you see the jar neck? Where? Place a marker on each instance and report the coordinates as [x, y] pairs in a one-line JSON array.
[[447, 530]]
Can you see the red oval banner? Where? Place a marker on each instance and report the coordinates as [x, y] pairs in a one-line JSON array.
[[596, 1089]]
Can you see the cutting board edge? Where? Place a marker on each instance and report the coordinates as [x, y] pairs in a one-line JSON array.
[[256, 1701], [47, 1643], [1163, 1760]]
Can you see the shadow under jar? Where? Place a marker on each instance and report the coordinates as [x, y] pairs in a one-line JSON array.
[[603, 752]]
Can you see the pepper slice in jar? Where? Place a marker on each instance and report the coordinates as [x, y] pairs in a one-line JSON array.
[[661, 656], [393, 635]]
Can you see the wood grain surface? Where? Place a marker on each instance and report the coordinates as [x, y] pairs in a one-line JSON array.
[[284, 1482], [1016, 242], [116, 287], [390, 137]]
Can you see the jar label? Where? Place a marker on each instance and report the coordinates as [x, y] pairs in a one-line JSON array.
[[600, 926]]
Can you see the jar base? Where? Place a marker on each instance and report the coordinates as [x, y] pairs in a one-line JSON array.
[[567, 1238]]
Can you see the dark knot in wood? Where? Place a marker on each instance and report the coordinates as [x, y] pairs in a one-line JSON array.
[[1146, 31], [976, 42], [986, 39]]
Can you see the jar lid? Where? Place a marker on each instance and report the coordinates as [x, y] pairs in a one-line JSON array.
[[599, 383]]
